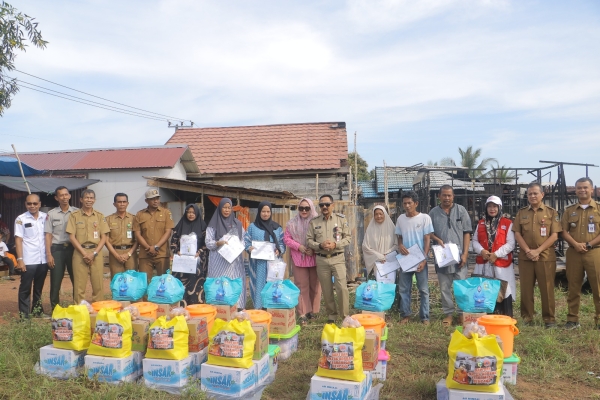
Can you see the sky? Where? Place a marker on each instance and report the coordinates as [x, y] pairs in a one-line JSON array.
[[415, 80]]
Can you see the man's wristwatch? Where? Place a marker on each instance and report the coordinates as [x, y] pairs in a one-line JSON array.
[[156, 248], [95, 254], [588, 245]]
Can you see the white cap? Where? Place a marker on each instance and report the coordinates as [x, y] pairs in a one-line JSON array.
[[495, 200]]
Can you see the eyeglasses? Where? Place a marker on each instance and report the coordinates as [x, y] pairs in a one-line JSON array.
[[32, 204], [303, 208], [324, 205]]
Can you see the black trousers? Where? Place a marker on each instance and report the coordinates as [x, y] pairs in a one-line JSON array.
[[36, 275], [10, 264]]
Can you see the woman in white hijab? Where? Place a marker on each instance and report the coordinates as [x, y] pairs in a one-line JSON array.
[[380, 239]]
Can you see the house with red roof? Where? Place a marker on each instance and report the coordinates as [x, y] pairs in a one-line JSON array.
[[281, 158]]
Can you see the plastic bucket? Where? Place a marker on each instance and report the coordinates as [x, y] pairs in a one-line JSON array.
[[115, 305], [372, 321], [261, 317], [502, 326], [203, 310], [146, 309]]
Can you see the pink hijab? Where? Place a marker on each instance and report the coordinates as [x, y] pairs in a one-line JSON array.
[[298, 226]]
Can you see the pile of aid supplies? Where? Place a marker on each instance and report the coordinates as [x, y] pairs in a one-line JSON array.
[[481, 357]]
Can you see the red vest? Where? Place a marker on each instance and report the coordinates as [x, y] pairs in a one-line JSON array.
[[500, 241]]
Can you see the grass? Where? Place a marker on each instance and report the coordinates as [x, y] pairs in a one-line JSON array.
[[555, 363]]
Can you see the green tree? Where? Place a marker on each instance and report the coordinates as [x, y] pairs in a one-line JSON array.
[[503, 174], [363, 167], [469, 159], [13, 27]]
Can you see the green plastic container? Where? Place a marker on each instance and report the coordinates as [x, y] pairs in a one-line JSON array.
[[288, 343], [510, 368]]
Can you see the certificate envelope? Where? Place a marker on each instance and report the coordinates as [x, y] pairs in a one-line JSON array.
[[263, 250], [185, 264], [232, 250], [409, 262], [391, 264]]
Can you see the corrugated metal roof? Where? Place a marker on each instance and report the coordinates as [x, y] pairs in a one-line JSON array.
[[284, 147], [403, 178], [368, 189], [115, 158]]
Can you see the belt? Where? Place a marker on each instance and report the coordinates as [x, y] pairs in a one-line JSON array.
[[65, 244], [122, 247], [330, 255], [88, 246]]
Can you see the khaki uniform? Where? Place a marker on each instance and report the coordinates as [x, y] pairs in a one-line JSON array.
[[88, 231], [152, 227], [331, 263], [583, 225], [121, 238], [530, 224]]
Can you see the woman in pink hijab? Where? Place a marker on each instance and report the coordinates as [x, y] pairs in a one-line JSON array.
[[305, 265]]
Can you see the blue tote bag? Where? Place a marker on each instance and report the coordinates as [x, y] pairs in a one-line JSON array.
[[375, 296], [476, 294], [223, 290], [165, 289], [280, 294], [129, 286]]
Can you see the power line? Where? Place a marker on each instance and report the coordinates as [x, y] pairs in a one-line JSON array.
[[90, 101], [102, 98]]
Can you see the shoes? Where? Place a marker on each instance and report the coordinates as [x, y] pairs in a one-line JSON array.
[[425, 322], [528, 322], [331, 321], [570, 325], [550, 325], [311, 315], [447, 321], [404, 321]]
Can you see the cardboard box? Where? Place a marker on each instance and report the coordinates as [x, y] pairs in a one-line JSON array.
[[198, 338], [60, 363], [4, 273], [165, 309], [261, 345], [471, 317], [234, 382], [172, 373], [198, 358], [379, 314], [327, 388], [262, 369], [124, 304], [111, 369], [283, 320], [370, 351], [225, 312], [454, 394], [139, 335]]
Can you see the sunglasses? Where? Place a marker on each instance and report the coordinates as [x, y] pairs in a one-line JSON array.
[[324, 205], [303, 208], [32, 204]]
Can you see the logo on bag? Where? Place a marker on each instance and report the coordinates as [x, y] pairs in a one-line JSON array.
[[337, 356], [220, 294], [123, 286], [162, 288], [367, 294], [108, 335], [161, 338], [227, 344], [470, 370], [277, 292], [62, 329]]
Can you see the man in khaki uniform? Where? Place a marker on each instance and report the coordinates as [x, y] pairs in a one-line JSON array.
[[536, 230], [581, 229], [87, 231], [153, 227], [120, 243], [327, 235]]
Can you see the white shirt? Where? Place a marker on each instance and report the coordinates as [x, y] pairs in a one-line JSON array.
[[3, 249], [413, 229], [32, 232]]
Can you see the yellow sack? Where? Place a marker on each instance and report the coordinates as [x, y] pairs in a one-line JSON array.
[[71, 328], [112, 334], [341, 353], [475, 364], [231, 344], [168, 339]]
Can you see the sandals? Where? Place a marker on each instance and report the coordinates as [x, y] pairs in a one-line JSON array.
[[447, 322], [303, 321]]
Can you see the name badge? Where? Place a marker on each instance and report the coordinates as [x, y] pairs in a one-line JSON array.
[[591, 228], [543, 231], [128, 234], [96, 235]]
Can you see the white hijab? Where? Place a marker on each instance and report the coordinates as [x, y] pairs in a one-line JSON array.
[[380, 239]]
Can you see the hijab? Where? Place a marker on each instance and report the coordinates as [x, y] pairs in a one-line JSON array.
[[491, 225], [185, 226], [298, 226], [269, 226], [222, 225], [379, 240]]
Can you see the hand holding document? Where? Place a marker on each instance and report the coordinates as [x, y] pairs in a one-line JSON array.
[[185, 264], [232, 249], [390, 265], [447, 255], [410, 262], [263, 250]]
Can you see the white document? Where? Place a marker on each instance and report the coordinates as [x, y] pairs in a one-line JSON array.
[[390, 265], [276, 270], [410, 262], [185, 264], [447, 255], [188, 244], [263, 250], [389, 278], [232, 249]]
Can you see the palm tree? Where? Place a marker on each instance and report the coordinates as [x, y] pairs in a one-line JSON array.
[[468, 159], [503, 174]]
